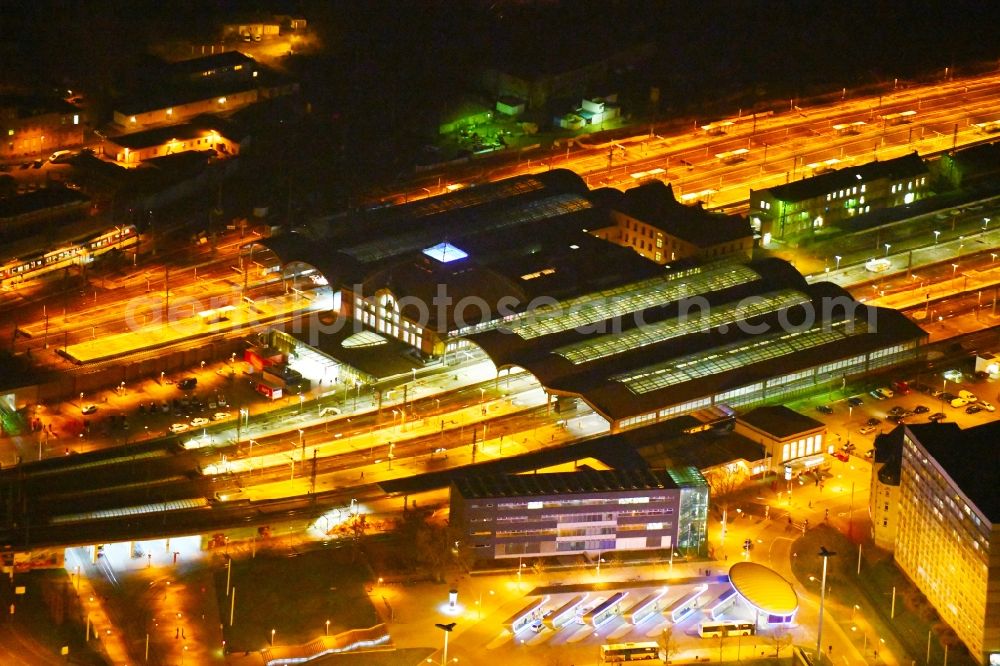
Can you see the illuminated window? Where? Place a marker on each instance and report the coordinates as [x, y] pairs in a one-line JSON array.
[[132, 119], [862, 188], [10, 132], [222, 100], [170, 112], [76, 118]]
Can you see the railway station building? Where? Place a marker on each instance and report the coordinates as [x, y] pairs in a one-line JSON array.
[[512, 271], [807, 205]]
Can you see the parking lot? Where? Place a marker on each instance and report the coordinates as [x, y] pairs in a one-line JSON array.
[[854, 419]]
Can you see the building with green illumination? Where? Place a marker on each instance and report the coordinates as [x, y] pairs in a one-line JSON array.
[[836, 197]]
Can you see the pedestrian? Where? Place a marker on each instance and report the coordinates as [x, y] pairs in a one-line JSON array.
[[810, 504], [362, 474]]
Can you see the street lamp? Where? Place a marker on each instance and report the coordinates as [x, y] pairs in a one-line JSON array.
[[936, 234], [447, 629], [826, 555], [954, 269], [327, 627], [887, 246], [986, 223], [302, 399], [272, 638], [838, 258]]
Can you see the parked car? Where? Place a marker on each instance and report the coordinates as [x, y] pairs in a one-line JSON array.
[[948, 397], [824, 409], [864, 430], [187, 383], [901, 387], [220, 416], [885, 392], [897, 410], [987, 406], [855, 401], [896, 418], [922, 388], [179, 427], [842, 456], [937, 416], [973, 409], [936, 392], [876, 394], [199, 422], [968, 395], [920, 409], [873, 421], [88, 409], [959, 402]]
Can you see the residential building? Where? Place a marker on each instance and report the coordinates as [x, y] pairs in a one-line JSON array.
[[38, 125], [948, 538], [883, 496], [785, 434], [651, 221], [835, 197], [586, 511]]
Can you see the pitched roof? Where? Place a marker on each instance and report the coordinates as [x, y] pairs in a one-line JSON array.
[[907, 166], [780, 421], [654, 203]]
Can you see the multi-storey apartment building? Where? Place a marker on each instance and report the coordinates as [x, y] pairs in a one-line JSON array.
[[948, 538]]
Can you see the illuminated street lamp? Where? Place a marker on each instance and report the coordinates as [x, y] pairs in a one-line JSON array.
[[993, 256], [986, 223], [936, 234], [954, 269], [887, 246], [302, 399], [327, 627], [826, 555], [272, 638], [447, 629], [838, 258]]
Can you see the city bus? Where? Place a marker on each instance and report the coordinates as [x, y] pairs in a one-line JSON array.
[[721, 603], [606, 610], [716, 629], [565, 613], [617, 652], [526, 615], [645, 607], [679, 610]]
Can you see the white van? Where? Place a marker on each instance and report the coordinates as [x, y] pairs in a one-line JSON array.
[[60, 156]]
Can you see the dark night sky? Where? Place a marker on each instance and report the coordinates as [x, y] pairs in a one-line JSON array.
[[390, 60]]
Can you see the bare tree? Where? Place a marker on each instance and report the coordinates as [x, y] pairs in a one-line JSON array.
[[780, 639], [667, 643], [724, 481]]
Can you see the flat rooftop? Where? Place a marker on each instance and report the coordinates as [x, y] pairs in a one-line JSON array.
[[969, 457], [779, 421]]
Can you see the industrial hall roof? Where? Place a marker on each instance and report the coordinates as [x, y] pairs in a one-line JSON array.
[[688, 334], [907, 166]]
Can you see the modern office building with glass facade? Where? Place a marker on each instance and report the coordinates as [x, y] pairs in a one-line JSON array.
[[948, 535], [586, 511]]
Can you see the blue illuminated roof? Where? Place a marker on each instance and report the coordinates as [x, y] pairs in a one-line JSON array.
[[445, 252]]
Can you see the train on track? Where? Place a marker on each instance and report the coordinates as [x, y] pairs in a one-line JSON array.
[[72, 251]]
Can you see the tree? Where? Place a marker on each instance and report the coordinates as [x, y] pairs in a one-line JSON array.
[[780, 639], [722, 482], [667, 643]]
